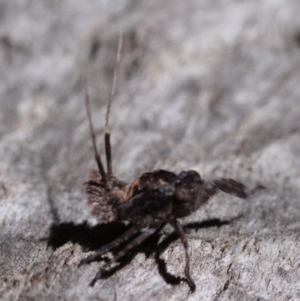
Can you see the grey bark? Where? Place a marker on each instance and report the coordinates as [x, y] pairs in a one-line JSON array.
[[205, 85]]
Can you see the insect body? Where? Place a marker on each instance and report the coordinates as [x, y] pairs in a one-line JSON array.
[[148, 202]]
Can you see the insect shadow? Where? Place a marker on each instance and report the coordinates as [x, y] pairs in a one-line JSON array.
[[91, 238]]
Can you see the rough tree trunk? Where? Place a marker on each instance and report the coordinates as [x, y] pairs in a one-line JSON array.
[[205, 85]]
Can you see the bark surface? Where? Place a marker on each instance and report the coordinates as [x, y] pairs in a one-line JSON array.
[[205, 85]]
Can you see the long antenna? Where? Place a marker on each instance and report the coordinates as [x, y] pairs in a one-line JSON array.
[[112, 93], [93, 136]]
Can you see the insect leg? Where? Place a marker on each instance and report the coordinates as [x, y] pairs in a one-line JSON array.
[[135, 242], [180, 231], [106, 248]]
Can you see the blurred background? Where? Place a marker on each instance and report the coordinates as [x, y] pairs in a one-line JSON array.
[[205, 85]]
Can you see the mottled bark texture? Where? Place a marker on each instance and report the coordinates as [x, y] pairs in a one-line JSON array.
[[205, 85]]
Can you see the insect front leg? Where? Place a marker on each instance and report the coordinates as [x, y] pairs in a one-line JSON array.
[[125, 236], [106, 248], [180, 231], [135, 242]]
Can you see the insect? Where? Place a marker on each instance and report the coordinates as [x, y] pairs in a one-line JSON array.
[[147, 203]]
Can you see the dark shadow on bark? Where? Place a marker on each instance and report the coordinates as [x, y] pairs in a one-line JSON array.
[[91, 238]]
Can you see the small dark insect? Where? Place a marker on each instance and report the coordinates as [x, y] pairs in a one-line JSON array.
[[147, 203]]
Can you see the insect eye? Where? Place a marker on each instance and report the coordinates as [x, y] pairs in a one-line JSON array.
[[182, 174], [190, 178], [194, 173]]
